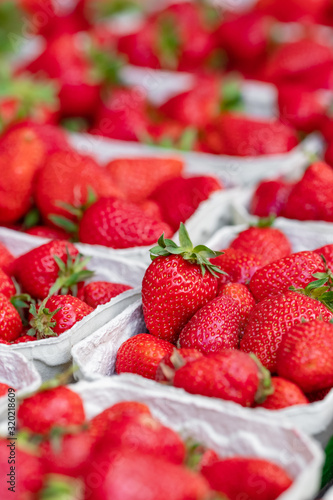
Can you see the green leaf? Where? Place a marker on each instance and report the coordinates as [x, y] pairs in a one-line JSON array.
[[316, 284], [184, 238], [66, 224], [327, 474], [32, 218], [61, 263]]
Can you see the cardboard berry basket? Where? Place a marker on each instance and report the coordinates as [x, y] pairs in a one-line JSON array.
[[95, 358], [329, 495], [52, 355], [222, 428], [19, 373]]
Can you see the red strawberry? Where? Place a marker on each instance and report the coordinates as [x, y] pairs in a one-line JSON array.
[[176, 285], [10, 321], [101, 292], [238, 265], [175, 360], [327, 252], [285, 394], [304, 356], [244, 298], [272, 318], [4, 389], [179, 198], [6, 259], [318, 395], [137, 178], [51, 265], [50, 233], [268, 243], [139, 46], [58, 407], [230, 375], [215, 327], [7, 287], [311, 197], [295, 270], [142, 354], [24, 339], [329, 154], [242, 477], [270, 198], [20, 155], [67, 178], [294, 10], [56, 315]]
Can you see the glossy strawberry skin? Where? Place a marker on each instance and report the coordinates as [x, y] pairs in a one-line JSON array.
[[186, 355], [230, 375], [270, 198], [72, 310], [327, 252], [238, 265], [295, 270], [272, 318], [37, 270], [305, 356], [4, 389], [214, 327], [101, 292], [141, 355], [10, 321], [119, 224], [285, 394], [6, 259], [239, 477], [24, 339], [172, 292], [50, 233], [267, 242], [244, 298], [7, 287], [53, 407]]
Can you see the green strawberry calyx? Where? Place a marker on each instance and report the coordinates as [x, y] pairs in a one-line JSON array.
[[42, 322], [70, 274], [199, 255], [265, 387], [62, 488]]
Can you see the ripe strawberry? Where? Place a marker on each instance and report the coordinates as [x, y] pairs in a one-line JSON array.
[[7, 287], [270, 198], [176, 285], [56, 315], [24, 339], [175, 360], [139, 46], [51, 266], [295, 10], [243, 477], [10, 321], [119, 224], [101, 292], [6, 259], [4, 389], [304, 356], [311, 197], [295, 270], [66, 179], [272, 318], [241, 135], [215, 327], [137, 178], [125, 472], [50, 408], [50, 233], [268, 243], [238, 265], [327, 252], [244, 298], [20, 155], [230, 375], [318, 395], [141, 355], [179, 198], [285, 394], [171, 134], [329, 154]]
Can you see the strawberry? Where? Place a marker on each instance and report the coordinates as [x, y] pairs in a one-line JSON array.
[[327, 252], [49, 408], [101, 292], [6, 259], [52, 137], [142, 354], [238, 265], [215, 327], [119, 224], [7, 287], [24, 339], [295, 270], [230, 375], [175, 360], [139, 46], [244, 298], [4, 389], [318, 395], [304, 356], [137, 178], [51, 233], [176, 278], [170, 134], [270, 198], [288, 64], [178, 198], [51, 266], [243, 477], [56, 315], [241, 135], [272, 318], [329, 154], [295, 10], [268, 243], [125, 472], [285, 394], [10, 321], [67, 180], [20, 155], [311, 197]]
